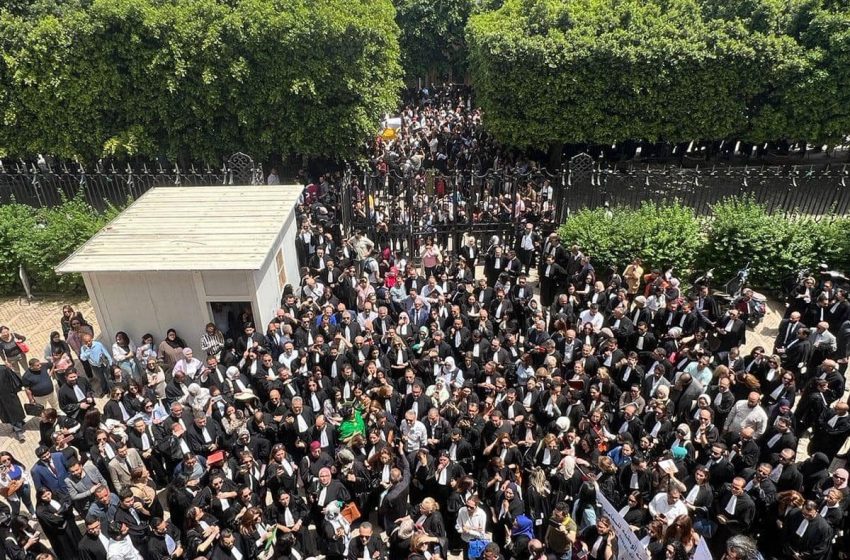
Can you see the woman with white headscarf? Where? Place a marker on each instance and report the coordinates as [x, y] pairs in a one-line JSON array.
[[238, 385], [682, 438], [451, 374], [703, 402], [438, 393], [199, 398]]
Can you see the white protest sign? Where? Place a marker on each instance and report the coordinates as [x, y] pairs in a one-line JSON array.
[[629, 545], [702, 552]]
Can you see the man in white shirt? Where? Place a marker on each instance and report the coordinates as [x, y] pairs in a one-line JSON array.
[[747, 413], [667, 506], [120, 546], [413, 433], [592, 316]]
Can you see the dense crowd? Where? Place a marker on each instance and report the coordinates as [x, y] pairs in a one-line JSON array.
[[406, 405], [457, 174]]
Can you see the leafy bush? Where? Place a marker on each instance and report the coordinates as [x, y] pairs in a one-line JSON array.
[[742, 231], [40, 239], [596, 233], [739, 231], [663, 235]]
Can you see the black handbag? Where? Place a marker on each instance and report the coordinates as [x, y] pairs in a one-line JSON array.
[[33, 409]]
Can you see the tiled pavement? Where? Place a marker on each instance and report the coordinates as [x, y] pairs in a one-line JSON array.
[[35, 320]]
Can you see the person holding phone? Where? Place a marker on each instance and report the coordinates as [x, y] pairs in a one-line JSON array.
[[599, 541]]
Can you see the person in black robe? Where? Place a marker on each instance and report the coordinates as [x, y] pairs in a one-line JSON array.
[[56, 516], [806, 535], [93, 543], [366, 543], [335, 530], [163, 540], [230, 546], [11, 410]]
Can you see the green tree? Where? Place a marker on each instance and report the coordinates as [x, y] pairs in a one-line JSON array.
[[549, 72], [198, 78], [432, 37]]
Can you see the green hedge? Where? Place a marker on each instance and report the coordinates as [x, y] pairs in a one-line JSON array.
[[40, 238], [739, 230], [663, 235]]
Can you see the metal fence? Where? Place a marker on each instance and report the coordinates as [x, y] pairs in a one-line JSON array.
[[408, 207], [583, 183], [817, 192], [43, 185]]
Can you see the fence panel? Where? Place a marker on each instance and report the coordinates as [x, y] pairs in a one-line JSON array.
[[46, 186]]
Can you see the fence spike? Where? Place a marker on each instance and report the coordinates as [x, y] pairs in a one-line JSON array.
[[145, 168], [2, 169], [64, 167], [129, 169]]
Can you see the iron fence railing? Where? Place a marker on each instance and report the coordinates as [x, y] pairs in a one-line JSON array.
[[408, 206], [43, 185]]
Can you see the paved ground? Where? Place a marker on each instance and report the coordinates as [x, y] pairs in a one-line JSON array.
[[35, 320]]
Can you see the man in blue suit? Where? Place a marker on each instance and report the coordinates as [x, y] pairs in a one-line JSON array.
[[50, 471]]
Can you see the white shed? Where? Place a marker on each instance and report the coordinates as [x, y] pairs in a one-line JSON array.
[[181, 257]]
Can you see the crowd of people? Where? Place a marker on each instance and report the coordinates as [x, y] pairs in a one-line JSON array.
[[490, 401], [440, 171]]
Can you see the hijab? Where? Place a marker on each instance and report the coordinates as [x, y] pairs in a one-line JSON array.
[[523, 527], [177, 342]]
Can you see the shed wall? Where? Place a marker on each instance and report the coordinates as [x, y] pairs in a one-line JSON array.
[[147, 302], [267, 280]]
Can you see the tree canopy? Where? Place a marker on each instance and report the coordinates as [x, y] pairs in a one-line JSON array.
[[196, 78], [432, 37], [602, 71]]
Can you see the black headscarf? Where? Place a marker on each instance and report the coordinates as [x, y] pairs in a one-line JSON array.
[[177, 342]]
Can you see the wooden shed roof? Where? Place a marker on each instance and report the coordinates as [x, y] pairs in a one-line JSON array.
[[189, 228]]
